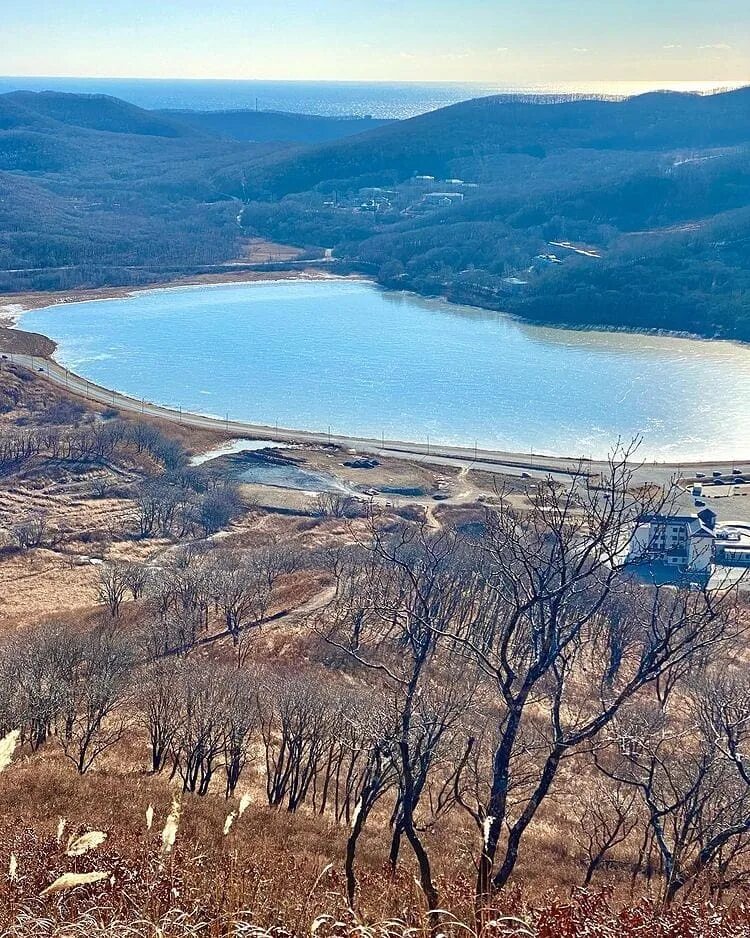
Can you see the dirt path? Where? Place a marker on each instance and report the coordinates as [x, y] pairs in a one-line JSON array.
[[284, 618]]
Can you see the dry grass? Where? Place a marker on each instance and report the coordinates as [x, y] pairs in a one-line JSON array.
[[268, 873]]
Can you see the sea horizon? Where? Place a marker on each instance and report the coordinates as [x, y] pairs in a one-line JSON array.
[[335, 98]]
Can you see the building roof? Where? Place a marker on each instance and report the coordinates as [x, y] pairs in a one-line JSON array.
[[694, 524]]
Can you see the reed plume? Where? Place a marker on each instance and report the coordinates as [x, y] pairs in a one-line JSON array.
[[77, 846], [169, 832], [7, 747], [71, 880]]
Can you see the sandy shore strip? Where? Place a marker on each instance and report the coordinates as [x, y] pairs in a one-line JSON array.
[[13, 305]]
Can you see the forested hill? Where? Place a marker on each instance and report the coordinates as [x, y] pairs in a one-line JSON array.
[[273, 126], [94, 190], [43, 110], [630, 213], [91, 186], [470, 134]]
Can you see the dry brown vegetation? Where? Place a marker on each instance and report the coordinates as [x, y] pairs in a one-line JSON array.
[[368, 722], [25, 343]]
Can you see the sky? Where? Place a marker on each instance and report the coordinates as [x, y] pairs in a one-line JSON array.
[[398, 40]]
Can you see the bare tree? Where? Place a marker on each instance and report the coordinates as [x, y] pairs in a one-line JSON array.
[[94, 697], [160, 712], [609, 814], [560, 627], [243, 583], [218, 507], [199, 739], [113, 586], [38, 664], [393, 601], [296, 720], [177, 603], [36, 531], [690, 770], [379, 775], [136, 576], [240, 722], [338, 505]]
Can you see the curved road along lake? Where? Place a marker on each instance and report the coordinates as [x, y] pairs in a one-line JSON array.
[[363, 361]]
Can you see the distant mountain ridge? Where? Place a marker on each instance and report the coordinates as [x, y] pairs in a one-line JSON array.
[[42, 110], [92, 112], [273, 126], [431, 142]]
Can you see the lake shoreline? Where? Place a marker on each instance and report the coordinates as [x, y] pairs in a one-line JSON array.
[[14, 305], [518, 458], [478, 458]]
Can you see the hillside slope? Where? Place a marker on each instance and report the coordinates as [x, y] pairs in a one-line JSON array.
[[91, 111], [632, 213], [273, 126], [91, 186], [474, 132]]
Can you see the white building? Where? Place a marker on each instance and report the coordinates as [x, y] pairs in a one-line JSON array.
[[686, 542], [513, 284], [546, 260], [443, 198]]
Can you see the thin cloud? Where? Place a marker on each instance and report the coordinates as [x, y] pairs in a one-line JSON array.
[[581, 50], [672, 45], [716, 45]]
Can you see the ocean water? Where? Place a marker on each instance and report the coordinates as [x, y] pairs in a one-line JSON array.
[[331, 98], [349, 356]]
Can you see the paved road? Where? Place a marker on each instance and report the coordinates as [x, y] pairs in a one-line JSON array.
[[456, 456]]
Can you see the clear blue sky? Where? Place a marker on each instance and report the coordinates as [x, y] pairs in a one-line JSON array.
[[482, 40]]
